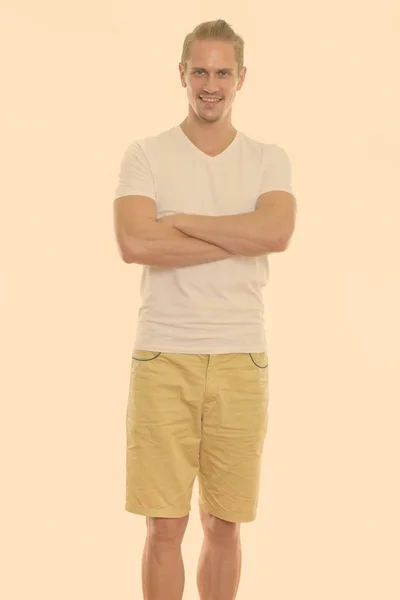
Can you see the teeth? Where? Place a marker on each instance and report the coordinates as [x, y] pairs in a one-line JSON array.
[[210, 99]]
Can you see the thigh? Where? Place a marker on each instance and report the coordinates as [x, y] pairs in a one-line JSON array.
[[163, 429], [234, 430]]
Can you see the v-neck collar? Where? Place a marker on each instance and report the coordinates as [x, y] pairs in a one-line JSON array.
[[206, 156]]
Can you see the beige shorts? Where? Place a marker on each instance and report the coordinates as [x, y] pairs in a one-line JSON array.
[[196, 415]]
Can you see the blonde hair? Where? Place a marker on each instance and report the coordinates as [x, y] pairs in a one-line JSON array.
[[214, 30]]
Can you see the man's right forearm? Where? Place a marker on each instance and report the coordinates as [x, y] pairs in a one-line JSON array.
[[164, 246]]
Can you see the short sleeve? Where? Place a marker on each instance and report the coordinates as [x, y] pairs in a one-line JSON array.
[[276, 170], [135, 175]]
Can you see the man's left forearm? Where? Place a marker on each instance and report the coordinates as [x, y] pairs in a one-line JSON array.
[[240, 234]]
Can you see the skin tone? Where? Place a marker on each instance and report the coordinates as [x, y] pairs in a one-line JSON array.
[[211, 71]]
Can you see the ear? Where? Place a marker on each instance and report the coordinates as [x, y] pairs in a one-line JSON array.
[[182, 75], [242, 77]]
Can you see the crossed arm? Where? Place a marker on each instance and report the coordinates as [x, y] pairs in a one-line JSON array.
[[266, 230], [183, 239]]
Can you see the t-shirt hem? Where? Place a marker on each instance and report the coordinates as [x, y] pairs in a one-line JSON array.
[[205, 350]]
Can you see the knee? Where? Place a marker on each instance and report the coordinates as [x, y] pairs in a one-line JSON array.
[[162, 531], [219, 531]]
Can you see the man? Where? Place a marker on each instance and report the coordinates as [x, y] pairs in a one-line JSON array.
[[200, 206]]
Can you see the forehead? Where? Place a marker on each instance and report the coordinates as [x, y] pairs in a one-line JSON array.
[[212, 54]]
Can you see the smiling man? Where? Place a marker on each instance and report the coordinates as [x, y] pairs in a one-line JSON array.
[[200, 206]]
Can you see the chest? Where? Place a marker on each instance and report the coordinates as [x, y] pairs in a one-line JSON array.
[[205, 187]]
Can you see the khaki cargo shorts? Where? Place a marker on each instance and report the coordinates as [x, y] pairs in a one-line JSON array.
[[196, 415]]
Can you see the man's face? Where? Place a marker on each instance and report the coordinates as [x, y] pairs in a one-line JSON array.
[[212, 79]]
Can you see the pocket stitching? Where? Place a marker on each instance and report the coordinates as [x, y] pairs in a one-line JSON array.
[[146, 359], [258, 366]]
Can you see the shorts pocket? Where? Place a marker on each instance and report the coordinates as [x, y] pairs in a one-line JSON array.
[[145, 355], [259, 359]]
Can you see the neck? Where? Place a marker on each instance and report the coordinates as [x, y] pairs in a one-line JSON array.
[[208, 133]]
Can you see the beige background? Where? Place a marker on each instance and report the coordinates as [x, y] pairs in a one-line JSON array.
[[79, 81]]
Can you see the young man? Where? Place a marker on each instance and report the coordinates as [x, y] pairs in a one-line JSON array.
[[200, 206]]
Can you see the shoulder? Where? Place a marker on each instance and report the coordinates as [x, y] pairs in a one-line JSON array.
[[267, 151], [147, 146]]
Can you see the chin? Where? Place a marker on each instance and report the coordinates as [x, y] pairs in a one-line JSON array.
[[210, 116], [214, 119]]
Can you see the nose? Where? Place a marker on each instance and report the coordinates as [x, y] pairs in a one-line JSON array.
[[211, 85]]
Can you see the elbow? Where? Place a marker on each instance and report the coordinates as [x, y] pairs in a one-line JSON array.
[[128, 259], [126, 253], [279, 238], [128, 250], [282, 244], [276, 245]]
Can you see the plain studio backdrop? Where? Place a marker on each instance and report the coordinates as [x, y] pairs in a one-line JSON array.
[[79, 82]]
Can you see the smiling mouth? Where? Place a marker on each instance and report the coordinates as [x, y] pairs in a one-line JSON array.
[[209, 100]]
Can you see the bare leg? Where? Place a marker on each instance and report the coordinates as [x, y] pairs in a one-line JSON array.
[[220, 561], [163, 574]]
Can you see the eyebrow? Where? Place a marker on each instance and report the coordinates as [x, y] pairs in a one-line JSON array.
[[203, 69]]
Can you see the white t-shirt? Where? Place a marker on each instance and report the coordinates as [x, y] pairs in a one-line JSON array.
[[211, 308]]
